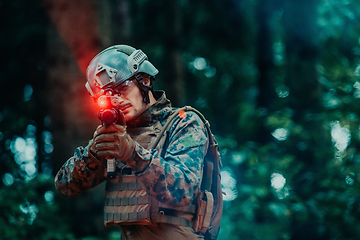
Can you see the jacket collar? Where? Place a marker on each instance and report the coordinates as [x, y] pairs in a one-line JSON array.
[[156, 112]]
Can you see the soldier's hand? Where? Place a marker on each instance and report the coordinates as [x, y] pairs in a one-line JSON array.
[[112, 141]]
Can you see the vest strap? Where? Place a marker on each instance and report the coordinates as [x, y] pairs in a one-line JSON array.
[[161, 218], [132, 216], [126, 201], [190, 208], [209, 209], [123, 186]]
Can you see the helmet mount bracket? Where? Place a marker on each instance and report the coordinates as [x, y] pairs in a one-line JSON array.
[[135, 59], [104, 75]]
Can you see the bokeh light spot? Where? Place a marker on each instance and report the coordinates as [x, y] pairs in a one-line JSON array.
[[282, 91], [28, 91], [200, 63], [19, 145], [210, 72], [49, 196], [8, 179], [341, 136], [280, 134], [277, 180], [228, 183]]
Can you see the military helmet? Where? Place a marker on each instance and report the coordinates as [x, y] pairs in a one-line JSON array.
[[115, 65]]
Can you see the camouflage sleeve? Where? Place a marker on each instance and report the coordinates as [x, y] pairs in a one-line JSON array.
[[175, 178], [78, 174]]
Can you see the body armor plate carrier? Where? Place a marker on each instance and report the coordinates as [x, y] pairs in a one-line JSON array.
[[128, 203]]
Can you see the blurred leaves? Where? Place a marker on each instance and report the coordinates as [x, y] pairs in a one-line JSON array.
[[291, 160]]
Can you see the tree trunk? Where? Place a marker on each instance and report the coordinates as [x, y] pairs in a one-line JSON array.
[[302, 58], [73, 40], [265, 63], [175, 70], [302, 52]]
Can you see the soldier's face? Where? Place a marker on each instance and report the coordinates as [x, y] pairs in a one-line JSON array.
[[132, 104]]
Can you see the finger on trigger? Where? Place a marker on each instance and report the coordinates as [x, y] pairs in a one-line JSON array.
[[107, 138], [120, 127]]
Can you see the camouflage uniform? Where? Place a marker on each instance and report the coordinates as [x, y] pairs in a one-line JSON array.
[[173, 178]]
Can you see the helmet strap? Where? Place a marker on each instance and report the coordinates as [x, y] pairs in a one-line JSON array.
[[144, 89]]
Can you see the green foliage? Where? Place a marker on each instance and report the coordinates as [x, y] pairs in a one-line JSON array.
[[291, 165], [29, 211]]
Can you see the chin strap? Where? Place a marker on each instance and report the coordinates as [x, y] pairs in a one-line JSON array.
[[144, 89]]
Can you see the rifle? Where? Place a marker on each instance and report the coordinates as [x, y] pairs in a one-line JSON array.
[[109, 114]]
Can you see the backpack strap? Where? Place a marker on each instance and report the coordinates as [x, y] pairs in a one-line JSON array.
[[165, 128], [206, 183], [211, 171]]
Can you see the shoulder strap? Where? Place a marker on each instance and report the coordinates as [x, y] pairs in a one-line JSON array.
[[176, 113], [211, 172], [213, 146], [165, 128]]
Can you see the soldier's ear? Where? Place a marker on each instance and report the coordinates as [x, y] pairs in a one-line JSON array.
[[146, 80]]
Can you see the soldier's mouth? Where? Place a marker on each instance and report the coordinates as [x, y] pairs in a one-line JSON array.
[[125, 107]]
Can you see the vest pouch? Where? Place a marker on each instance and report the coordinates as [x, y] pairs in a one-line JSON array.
[[126, 202], [202, 219]]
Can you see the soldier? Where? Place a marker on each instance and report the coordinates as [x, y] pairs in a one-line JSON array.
[[153, 193]]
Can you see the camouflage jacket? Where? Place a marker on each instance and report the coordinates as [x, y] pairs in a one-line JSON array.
[[174, 178]]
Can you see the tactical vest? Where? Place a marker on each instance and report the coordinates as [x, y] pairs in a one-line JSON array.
[[127, 201]]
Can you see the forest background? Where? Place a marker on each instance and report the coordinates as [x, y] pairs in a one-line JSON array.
[[278, 80]]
